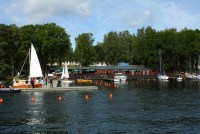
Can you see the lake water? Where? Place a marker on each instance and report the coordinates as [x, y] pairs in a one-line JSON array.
[[139, 106]]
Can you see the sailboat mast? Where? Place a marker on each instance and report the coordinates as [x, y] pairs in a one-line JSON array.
[[29, 61], [190, 66], [23, 64], [160, 59], [198, 64]]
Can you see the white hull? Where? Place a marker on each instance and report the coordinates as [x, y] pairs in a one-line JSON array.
[[179, 79], [197, 77], [163, 77], [190, 76], [120, 77], [67, 81]]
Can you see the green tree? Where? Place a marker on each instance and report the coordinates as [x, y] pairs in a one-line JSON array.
[[189, 41], [127, 45], [146, 49], [112, 47], [84, 51], [8, 42], [50, 41], [100, 54]]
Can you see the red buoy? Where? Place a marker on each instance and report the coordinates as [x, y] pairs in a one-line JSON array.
[[110, 95], [86, 97], [1, 100], [33, 99], [60, 98]]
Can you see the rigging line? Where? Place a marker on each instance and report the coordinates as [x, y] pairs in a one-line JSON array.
[[23, 64]]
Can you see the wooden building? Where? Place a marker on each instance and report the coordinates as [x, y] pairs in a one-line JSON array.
[[107, 70], [129, 70]]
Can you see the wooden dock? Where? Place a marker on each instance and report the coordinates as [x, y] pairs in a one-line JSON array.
[[108, 79], [48, 89], [63, 87]]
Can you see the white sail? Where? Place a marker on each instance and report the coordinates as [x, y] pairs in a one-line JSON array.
[[65, 73], [35, 68]]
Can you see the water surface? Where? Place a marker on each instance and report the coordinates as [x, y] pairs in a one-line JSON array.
[[139, 106]]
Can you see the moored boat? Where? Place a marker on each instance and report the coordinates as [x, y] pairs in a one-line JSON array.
[[34, 70], [162, 77], [22, 84], [65, 75], [84, 81], [179, 78], [119, 77], [9, 90], [190, 76]]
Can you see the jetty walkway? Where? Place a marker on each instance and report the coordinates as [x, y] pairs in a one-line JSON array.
[[47, 88]]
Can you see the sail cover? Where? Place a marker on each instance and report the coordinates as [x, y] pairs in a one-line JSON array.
[[35, 68]]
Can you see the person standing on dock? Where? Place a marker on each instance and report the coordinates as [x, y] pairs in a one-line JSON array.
[[51, 82], [45, 80], [33, 82]]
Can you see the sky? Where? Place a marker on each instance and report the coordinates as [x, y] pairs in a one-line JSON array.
[[100, 17]]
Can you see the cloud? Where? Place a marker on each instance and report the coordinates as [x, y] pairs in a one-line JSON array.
[[105, 13], [36, 11], [160, 14], [102, 16], [136, 18]]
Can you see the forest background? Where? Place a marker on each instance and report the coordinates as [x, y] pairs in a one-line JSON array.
[[180, 49]]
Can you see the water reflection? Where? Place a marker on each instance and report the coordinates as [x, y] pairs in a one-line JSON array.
[[163, 84], [35, 109]]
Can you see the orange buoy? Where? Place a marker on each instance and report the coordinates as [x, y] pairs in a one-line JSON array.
[[60, 98], [110, 96], [33, 99], [1, 100], [86, 97]]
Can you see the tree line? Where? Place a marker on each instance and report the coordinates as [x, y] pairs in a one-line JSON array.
[[180, 49]]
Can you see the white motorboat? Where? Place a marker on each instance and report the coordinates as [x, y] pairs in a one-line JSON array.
[[119, 77], [162, 77], [179, 78]]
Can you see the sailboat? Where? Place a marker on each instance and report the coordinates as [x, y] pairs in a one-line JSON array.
[[34, 70], [190, 75], [197, 76], [65, 74], [161, 76]]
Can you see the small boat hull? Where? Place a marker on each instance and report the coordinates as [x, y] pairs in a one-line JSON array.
[[23, 85], [9, 90], [120, 77], [67, 81], [162, 77], [179, 79], [84, 81]]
